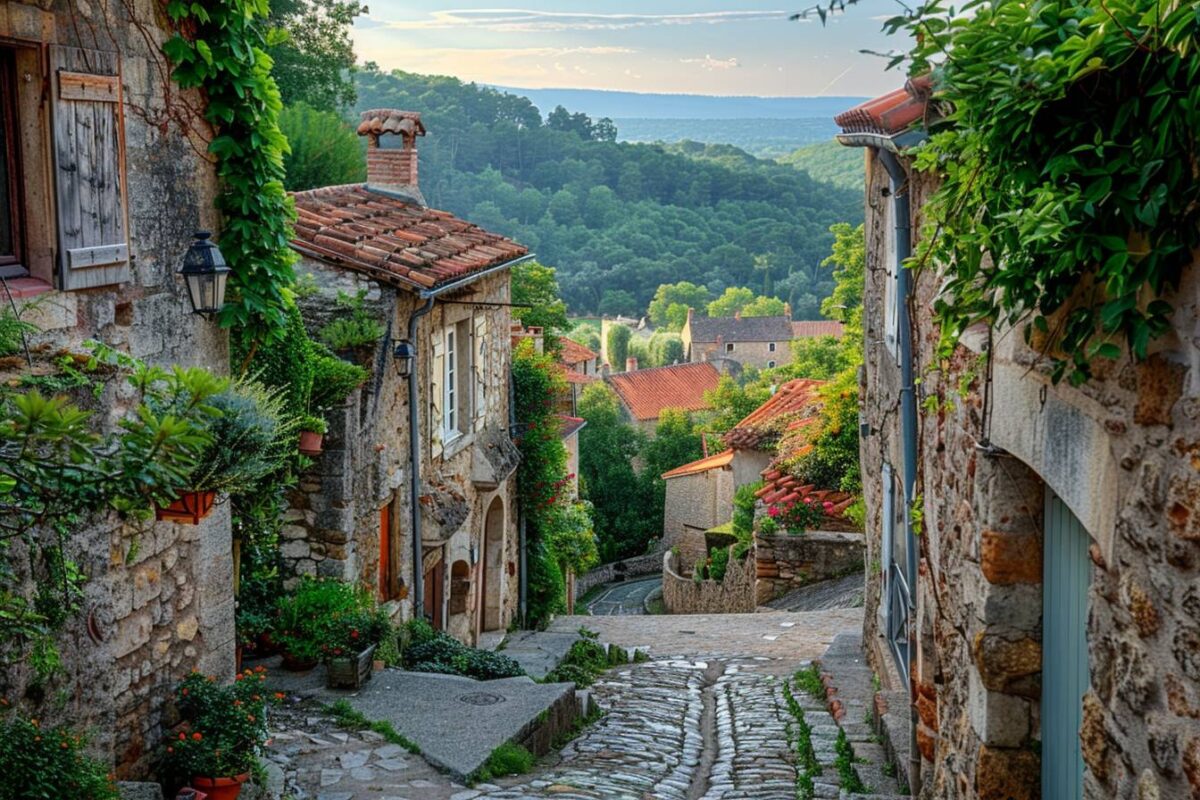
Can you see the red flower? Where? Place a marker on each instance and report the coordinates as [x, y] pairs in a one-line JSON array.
[[197, 736]]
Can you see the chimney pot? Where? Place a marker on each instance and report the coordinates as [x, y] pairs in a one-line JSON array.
[[737, 314], [393, 169], [631, 364]]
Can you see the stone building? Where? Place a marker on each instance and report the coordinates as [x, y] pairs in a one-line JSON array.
[[646, 393], [761, 342], [439, 287], [102, 192], [582, 366], [1044, 622]]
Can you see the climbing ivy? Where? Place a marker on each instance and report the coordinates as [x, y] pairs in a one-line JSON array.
[[220, 49], [1069, 201]]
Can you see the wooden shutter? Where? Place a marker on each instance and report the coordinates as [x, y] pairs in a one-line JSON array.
[[89, 161], [437, 377], [479, 356]]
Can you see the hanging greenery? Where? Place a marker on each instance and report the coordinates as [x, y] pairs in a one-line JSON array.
[[1069, 165], [221, 49]]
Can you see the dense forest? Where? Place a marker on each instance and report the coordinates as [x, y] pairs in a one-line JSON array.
[[830, 162], [616, 219]]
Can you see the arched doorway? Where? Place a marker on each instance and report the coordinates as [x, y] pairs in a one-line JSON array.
[[491, 607]]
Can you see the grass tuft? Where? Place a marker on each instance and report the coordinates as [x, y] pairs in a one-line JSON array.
[[507, 759], [348, 718]]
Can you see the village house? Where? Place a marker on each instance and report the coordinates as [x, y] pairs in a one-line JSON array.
[[582, 366], [646, 393], [419, 466], [763, 342], [101, 198], [571, 426], [1044, 620]]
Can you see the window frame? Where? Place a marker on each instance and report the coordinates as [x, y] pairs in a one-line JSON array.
[[450, 412], [770, 347], [729, 347], [12, 265], [891, 292], [770, 365]]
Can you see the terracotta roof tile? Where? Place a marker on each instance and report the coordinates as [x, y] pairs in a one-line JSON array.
[[394, 240], [570, 425], [722, 459], [890, 113], [795, 404], [647, 392], [821, 327], [574, 353], [575, 376]]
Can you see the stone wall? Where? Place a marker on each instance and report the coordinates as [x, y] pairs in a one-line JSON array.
[[686, 595], [159, 599], [694, 502], [756, 354], [1121, 452], [784, 562], [635, 567]]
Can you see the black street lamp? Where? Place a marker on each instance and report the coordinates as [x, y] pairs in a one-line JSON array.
[[206, 273], [404, 353]]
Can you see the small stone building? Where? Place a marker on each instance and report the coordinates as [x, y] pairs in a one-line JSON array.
[[1044, 622], [367, 507], [646, 393], [761, 342], [102, 191]]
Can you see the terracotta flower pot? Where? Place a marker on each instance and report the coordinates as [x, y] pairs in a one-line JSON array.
[[310, 443], [221, 788], [188, 508]]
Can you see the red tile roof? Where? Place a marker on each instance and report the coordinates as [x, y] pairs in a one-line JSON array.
[[574, 353], [647, 392], [890, 113], [570, 425], [575, 376], [393, 240], [794, 404], [780, 487], [821, 327], [723, 459]]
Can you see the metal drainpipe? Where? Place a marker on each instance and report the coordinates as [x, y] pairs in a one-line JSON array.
[[414, 455], [523, 580], [908, 415]]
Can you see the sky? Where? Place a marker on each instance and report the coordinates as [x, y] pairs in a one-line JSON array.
[[727, 47]]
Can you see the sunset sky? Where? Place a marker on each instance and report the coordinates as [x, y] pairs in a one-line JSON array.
[[689, 46]]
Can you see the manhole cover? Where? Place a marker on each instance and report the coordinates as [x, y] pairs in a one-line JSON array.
[[480, 699]]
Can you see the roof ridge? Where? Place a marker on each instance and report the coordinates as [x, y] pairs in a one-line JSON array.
[[666, 366]]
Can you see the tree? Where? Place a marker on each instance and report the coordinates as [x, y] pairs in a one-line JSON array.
[[607, 446], [816, 357], [677, 441], [618, 302], [315, 60], [537, 285], [618, 346], [671, 301], [730, 403], [764, 307], [849, 263], [732, 301], [605, 130], [325, 151], [586, 335]]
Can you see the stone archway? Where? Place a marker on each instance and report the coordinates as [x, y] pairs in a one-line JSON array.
[[491, 607]]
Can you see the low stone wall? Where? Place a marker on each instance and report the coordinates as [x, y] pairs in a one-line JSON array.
[[685, 595], [784, 561], [636, 567]]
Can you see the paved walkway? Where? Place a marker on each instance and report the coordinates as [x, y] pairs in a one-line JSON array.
[[626, 597]]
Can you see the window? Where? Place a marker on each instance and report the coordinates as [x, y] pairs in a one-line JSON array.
[[729, 347], [770, 365], [450, 386], [770, 347], [456, 388], [891, 291], [11, 196]]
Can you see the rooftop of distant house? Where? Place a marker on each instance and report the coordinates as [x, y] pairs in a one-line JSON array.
[[718, 461], [570, 425], [574, 353], [648, 392], [794, 404], [806, 329], [740, 329], [891, 113]]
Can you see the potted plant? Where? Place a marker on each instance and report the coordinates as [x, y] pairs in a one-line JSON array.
[[312, 434], [349, 646], [222, 734], [798, 515], [305, 617], [248, 436]]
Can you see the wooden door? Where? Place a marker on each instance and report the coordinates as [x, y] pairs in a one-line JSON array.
[[1066, 574], [434, 594]]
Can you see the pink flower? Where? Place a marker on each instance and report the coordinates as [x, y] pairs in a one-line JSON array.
[[828, 505], [773, 511]]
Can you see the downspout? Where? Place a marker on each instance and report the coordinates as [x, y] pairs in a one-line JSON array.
[[523, 580], [901, 210], [414, 455]]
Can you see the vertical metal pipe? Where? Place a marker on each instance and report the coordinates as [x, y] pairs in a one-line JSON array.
[[414, 469]]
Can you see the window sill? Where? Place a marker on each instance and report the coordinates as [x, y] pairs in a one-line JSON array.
[[24, 288], [460, 442]]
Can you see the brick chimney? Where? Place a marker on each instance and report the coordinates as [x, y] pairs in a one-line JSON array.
[[787, 310], [631, 364], [393, 170], [737, 314], [691, 313]]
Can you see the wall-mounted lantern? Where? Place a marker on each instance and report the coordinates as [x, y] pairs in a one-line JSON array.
[[404, 354], [206, 273]]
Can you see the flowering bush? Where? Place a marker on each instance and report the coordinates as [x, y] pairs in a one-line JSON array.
[[48, 762], [799, 515], [350, 633], [312, 619], [224, 728]]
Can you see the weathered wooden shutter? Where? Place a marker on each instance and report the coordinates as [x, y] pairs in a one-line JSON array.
[[89, 162], [479, 356], [437, 379]]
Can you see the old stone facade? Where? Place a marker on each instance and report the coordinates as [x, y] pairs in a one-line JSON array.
[[159, 599], [699, 496], [762, 342], [683, 594], [784, 562], [1001, 483]]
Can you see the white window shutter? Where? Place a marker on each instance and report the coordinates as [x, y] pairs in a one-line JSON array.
[[437, 376], [89, 162], [479, 356]]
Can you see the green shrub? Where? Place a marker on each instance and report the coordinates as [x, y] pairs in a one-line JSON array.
[[224, 726], [507, 759], [358, 329], [12, 332], [308, 617], [743, 510], [718, 559], [584, 662], [428, 650], [333, 378], [49, 762]]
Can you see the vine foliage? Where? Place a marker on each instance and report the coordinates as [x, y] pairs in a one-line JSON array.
[[220, 48], [1070, 173]]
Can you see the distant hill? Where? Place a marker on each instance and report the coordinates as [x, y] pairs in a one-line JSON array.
[[638, 105], [830, 162], [765, 138]]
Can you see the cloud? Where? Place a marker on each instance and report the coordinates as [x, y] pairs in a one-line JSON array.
[[527, 20], [710, 63]]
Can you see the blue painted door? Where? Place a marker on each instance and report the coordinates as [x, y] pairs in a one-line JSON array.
[[1066, 572]]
